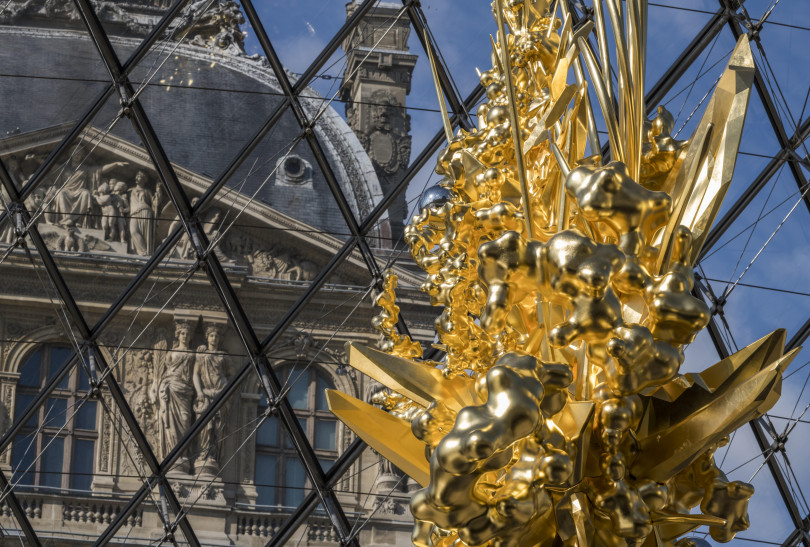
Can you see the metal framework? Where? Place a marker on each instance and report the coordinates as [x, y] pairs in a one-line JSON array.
[[729, 14]]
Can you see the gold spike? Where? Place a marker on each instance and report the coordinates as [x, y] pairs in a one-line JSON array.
[[733, 370], [559, 80], [419, 382], [514, 121], [565, 36], [736, 81], [709, 163], [598, 79], [553, 16], [560, 105], [561, 162], [604, 52], [387, 434], [696, 155], [576, 422], [672, 517], [665, 452], [448, 127]]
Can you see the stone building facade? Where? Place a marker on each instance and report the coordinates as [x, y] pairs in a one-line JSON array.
[[74, 465]]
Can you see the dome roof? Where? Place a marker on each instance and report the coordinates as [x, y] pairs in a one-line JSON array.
[[205, 104]]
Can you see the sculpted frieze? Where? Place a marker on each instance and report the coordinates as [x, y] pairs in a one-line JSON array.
[[108, 204], [169, 384]]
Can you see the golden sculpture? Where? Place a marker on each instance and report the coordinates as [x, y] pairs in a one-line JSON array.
[[558, 416]]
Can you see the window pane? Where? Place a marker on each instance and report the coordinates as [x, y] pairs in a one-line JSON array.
[[268, 432], [326, 464], [55, 411], [84, 381], [22, 457], [51, 470], [29, 374], [59, 355], [325, 434], [81, 471], [294, 481], [320, 393], [23, 402], [86, 416], [265, 479], [298, 391], [288, 440]]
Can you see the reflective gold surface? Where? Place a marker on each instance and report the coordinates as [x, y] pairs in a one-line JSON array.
[[558, 416]]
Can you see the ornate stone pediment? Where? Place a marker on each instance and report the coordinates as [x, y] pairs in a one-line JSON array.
[[109, 202]]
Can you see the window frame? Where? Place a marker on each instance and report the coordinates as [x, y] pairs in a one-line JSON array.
[[66, 429], [309, 417]]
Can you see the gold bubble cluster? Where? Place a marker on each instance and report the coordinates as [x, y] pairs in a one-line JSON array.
[[558, 415]]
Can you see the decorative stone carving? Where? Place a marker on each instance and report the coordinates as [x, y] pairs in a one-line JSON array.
[[139, 379], [72, 198], [96, 513], [387, 138], [276, 262], [293, 170], [111, 197], [217, 27], [211, 371], [172, 392], [143, 205]]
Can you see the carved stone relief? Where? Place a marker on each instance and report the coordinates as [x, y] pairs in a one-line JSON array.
[[101, 204], [211, 371]]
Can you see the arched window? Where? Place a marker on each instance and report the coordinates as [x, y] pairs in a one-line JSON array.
[[55, 448], [280, 476]]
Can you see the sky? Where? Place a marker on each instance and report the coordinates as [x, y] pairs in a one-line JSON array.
[[765, 250]]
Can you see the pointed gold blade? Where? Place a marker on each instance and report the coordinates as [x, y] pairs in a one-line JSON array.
[[735, 368], [707, 169], [387, 434], [448, 126], [419, 382], [664, 453]]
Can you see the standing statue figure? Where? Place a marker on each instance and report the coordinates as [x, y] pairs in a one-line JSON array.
[[210, 377], [172, 392], [142, 205], [74, 197]]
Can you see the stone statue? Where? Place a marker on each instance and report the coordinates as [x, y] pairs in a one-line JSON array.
[[172, 391], [70, 241], [141, 216], [74, 198], [210, 377], [113, 208]]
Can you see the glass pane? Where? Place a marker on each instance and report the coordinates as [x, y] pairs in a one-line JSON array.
[[325, 434], [265, 479], [298, 391], [81, 469], [59, 355], [23, 402], [84, 381], [288, 441], [294, 481], [29, 374], [55, 412], [51, 466], [22, 459], [86, 416], [320, 393], [268, 432], [326, 464]]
